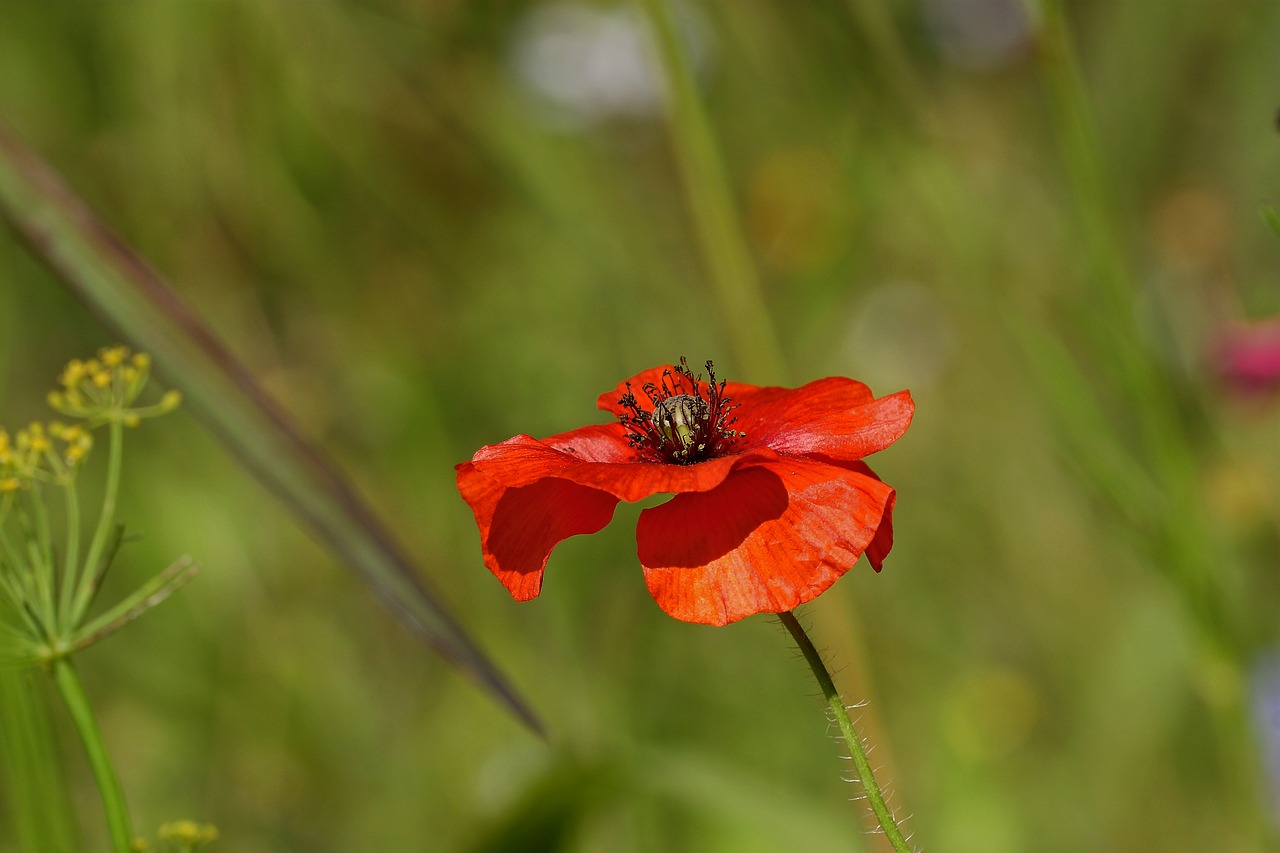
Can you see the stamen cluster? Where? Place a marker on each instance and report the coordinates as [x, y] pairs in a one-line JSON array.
[[688, 420]]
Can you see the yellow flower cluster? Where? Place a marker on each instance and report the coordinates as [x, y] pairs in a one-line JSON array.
[[40, 450], [9, 464], [189, 833], [103, 389], [97, 391]]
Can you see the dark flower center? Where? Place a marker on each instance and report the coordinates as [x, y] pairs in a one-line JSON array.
[[688, 420]]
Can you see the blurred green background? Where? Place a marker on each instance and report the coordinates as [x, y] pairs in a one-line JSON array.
[[431, 225]]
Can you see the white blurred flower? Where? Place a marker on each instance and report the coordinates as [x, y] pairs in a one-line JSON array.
[[588, 63], [978, 34], [1264, 697]]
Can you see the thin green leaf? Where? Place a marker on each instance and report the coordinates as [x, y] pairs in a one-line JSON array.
[[138, 602], [143, 309], [91, 581], [719, 228]]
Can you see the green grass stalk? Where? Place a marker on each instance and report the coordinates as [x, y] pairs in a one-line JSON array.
[[1116, 333], [733, 273], [1182, 540]]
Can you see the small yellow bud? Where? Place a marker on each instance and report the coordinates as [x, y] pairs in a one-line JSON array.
[[10, 484], [73, 373], [33, 439], [101, 379], [141, 360], [113, 356], [189, 832]]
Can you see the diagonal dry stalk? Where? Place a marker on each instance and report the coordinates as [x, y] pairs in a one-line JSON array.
[[143, 309]]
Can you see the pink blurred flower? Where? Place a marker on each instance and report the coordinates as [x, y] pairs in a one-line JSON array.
[[1248, 356]]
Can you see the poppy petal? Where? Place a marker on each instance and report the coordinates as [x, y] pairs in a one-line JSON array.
[[769, 538], [883, 542], [584, 457], [835, 417], [594, 443], [520, 525]]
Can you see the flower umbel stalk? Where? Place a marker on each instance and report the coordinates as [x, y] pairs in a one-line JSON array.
[[90, 574], [47, 588], [113, 804], [841, 714]]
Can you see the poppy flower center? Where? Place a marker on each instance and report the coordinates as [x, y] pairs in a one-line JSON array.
[[688, 420]]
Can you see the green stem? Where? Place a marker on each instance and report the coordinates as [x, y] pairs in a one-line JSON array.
[[118, 825], [733, 272], [70, 563], [838, 710], [20, 583], [35, 533], [1189, 549], [89, 576]]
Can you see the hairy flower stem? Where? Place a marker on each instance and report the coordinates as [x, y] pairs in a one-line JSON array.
[[841, 715], [118, 824]]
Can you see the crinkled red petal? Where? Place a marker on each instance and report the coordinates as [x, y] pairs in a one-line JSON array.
[[520, 525], [882, 544], [769, 538], [594, 443], [592, 456], [836, 418], [528, 495]]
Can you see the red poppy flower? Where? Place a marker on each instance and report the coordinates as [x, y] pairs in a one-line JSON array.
[[772, 500]]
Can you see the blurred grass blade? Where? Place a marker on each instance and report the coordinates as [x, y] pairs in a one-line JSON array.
[[748, 322], [141, 307], [37, 804]]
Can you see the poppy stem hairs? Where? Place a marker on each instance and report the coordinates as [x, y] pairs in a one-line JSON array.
[[841, 715]]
